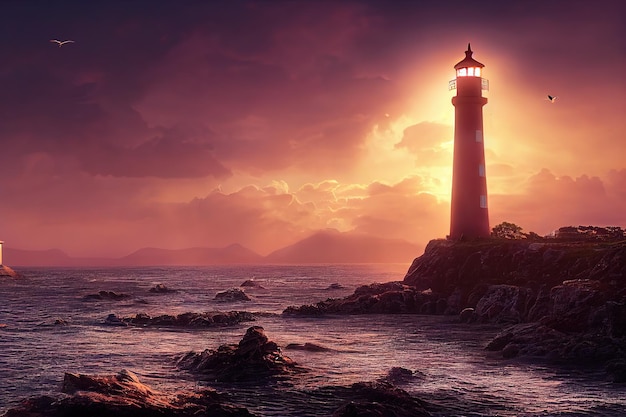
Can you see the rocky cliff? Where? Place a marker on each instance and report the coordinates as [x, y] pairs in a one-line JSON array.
[[564, 301], [463, 273]]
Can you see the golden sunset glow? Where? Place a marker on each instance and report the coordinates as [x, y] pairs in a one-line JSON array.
[[328, 116]]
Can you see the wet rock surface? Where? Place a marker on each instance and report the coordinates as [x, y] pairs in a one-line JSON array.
[[232, 294], [207, 319], [308, 347], [379, 399], [254, 359], [107, 295], [387, 298], [123, 395]]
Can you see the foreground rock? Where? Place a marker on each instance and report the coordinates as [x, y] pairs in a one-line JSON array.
[[123, 395], [253, 359], [208, 319]]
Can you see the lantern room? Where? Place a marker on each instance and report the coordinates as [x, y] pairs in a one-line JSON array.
[[468, 67], [468, 74]]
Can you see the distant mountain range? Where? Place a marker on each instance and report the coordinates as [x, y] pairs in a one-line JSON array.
[[331, 246], [328, 246]]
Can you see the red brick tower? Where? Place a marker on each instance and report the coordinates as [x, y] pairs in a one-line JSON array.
[[469, 215]]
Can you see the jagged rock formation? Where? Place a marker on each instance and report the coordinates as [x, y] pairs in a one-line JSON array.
[[462, 272], [123, 395], [254, 359]]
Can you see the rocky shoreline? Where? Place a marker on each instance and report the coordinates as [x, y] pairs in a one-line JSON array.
[[564, 302]]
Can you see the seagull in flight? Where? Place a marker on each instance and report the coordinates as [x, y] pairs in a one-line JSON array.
[[551, 98], [61, 43]]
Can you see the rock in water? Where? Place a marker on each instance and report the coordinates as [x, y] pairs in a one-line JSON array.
[[233, 294], [123, 395], [251, 283], [107, 295], [161, 289], [254, 358], [308, 346], [190, 320], [380, 399], [6, 271]]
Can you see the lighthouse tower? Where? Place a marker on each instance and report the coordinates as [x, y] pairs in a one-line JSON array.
[[469, 215]]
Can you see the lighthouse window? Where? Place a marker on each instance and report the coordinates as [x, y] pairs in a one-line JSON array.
[[481, 170], [470, 72], [483, 201], [477, 72], [462, 72], [479, 136]]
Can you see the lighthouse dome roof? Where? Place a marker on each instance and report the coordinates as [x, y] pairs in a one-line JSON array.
[[468, 61]]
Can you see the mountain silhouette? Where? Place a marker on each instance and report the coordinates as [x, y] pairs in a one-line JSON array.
[[332, 246], [327, 246]]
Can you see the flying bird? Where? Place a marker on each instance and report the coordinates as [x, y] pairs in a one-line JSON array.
[[61, 43], [551, 98]]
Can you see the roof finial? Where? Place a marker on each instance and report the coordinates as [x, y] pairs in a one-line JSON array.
[[468, 53]]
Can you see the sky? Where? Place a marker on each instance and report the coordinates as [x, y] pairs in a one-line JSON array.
[[206, 123]]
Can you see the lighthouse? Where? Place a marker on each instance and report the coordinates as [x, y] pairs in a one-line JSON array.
[[469, 217]]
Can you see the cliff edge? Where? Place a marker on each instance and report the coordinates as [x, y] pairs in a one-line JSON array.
[[461, 272]]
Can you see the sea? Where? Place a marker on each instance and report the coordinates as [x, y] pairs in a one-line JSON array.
[[455, 371]]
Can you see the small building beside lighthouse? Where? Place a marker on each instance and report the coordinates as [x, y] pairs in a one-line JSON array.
[[469, 216]]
